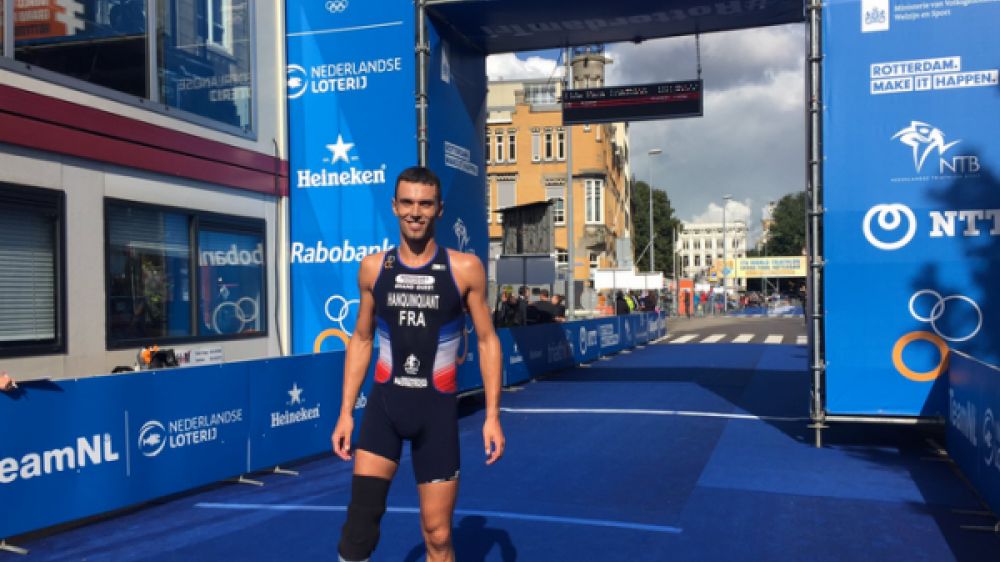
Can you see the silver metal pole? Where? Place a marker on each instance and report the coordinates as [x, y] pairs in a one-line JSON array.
[[570, 232], [677, 284], [725, 249], [814, 278], [423, 52], [652, 245]]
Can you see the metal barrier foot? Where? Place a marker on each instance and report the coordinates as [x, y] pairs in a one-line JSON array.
[[284, 471], [4, 547], [244, 480]]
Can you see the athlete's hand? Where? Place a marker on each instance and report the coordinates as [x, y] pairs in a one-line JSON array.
[[493, 440], [341, 437]]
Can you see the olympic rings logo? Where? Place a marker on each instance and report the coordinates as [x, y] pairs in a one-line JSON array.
[[232, 317], [342, 310], [890, 218], [937, 338], [336, 6]]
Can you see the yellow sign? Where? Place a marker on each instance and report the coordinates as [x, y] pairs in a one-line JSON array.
[[779, 266]]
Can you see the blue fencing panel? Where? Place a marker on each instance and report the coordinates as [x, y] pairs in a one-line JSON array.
[[352, 129], [609, 335], [99, 444], [911, 191], [973, 429], [294, 404], [586, 346]]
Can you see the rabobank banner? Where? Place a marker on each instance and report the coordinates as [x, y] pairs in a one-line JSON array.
[[352, 129], [912, 198]]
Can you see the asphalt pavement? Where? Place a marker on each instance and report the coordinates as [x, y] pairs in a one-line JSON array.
[[735, 329]]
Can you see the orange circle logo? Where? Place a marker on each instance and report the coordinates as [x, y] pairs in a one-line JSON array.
[[926, 376], [340, 334]]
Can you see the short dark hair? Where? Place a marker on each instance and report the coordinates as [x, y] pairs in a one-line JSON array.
[[419, 174], [544, 292]]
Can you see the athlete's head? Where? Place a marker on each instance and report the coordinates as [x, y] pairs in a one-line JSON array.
[[417, 202]]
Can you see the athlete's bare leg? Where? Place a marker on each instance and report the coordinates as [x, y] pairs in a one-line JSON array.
[[437, 506], [370, 464]]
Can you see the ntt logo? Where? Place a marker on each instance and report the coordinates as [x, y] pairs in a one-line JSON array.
[[345, 252]]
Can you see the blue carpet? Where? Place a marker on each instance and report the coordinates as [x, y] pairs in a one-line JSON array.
[[667, 453]]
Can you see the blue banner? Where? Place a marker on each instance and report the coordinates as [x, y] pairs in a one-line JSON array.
[[973, 428], [352, 129], [912, 199], [103, 443]]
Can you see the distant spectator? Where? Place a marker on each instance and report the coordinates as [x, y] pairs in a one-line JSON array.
[[546, 311], [521, 315], [506, 310], [649, 302], [560, 304], [588, 297], [621, 305], [7, 384]]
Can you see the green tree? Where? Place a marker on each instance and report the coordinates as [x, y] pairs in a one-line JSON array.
[[788, 233], [664, 224]]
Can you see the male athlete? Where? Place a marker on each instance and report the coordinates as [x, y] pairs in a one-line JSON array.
[[414, 297]]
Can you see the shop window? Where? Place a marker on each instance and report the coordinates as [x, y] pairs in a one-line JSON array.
[[32, 297], [176, 275]]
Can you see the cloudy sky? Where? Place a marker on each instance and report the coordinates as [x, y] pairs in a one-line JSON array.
[[751, 141]]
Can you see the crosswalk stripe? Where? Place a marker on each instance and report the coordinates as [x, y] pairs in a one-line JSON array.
[[743, 338], [802, 340], [685, 338], [773, 338], [713, 338]]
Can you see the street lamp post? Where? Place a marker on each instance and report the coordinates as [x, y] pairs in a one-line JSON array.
[[649, 169], [725, 254]]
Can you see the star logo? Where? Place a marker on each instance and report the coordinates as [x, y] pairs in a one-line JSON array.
[[296, 394], [339, 150]]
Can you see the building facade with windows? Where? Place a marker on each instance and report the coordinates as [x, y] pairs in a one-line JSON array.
[[142, 180], [700, 250], [527, 150]]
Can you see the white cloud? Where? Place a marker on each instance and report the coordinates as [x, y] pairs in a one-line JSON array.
[[735, 211], [508, 66]]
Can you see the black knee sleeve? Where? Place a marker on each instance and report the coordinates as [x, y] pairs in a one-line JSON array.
[[361, 530]]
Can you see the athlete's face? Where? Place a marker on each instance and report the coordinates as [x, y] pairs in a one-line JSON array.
[[417, 206]]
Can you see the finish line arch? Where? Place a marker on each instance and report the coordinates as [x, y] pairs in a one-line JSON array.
[[891, 85]]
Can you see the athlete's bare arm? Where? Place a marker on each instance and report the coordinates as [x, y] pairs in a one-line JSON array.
[[358, 356], [471, 278]]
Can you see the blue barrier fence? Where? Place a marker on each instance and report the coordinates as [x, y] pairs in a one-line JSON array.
[[75, 448], [973, 433]]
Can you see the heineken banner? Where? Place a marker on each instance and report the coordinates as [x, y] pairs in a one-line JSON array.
[[352, 129], [912, 199]]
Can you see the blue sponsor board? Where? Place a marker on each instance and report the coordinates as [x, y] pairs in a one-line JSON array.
[[973, 428], [296, 403], [107, 442], [352, 129], [911, 196]]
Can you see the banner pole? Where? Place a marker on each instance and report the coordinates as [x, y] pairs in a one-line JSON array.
[[814, 278], [570, 233], [423, 53]]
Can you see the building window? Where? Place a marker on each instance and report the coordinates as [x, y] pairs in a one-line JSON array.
[[512, 145], [176, 275], [561, 144], [594, 196], [708, 261], [559, 210], [506, 195], [687, 261], [548, 144], [487, 145], [32, 301], [204, 51], [536, 145], [562, 257], [489, 202], [697, 261], [499, 145], [595, 260], [540, 94]]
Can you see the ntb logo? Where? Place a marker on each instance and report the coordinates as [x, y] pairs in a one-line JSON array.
[[925, 140]]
